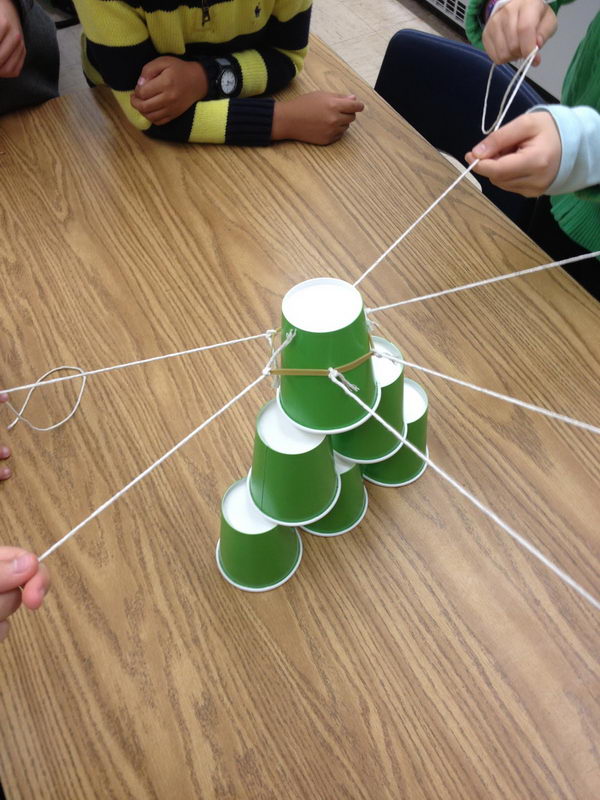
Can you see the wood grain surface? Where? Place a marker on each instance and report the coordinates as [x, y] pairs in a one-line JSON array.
[[422, 656]]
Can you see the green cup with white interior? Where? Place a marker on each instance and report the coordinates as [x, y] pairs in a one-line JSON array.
[[371, 442], [293, 480], [329, 324], [351, 506], [253, 554], [405, 466]]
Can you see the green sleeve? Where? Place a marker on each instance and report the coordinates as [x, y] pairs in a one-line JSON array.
[[473, 25]]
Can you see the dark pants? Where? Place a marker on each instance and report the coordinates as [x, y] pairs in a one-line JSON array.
[[38, 80]]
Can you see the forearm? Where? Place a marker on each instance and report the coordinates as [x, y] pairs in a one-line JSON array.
[[268, 69], [579, 130]]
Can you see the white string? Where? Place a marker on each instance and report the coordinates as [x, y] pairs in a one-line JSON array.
[[19, 414], [334, 375], [538, 409], [496, 279], [517, 79], [166, 455], [416, 222], [266, 334], [503, 111]]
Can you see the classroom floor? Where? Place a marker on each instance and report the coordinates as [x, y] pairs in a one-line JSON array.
[[357, 30]]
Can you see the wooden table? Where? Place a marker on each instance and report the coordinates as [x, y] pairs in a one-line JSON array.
[[424, 655]]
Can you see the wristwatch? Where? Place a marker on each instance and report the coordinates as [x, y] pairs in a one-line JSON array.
[[226, 81]]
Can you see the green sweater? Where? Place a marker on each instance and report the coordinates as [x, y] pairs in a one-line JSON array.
[[578, 214]]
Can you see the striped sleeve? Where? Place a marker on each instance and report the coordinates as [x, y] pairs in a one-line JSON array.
[[116, 48], [270, 68]]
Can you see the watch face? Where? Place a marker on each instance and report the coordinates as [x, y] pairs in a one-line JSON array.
[[228, 82]]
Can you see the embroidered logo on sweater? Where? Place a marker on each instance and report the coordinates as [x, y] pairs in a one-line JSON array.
[[257, 11]]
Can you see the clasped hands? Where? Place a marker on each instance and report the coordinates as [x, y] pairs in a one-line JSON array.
[[168, 86]]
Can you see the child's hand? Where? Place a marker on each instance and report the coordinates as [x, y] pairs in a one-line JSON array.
[[316, 118], [514, 30], [5, 472], [18, 568], [12, 46], [522, 156], [167, 87]]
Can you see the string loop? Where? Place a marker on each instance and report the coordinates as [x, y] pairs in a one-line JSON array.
[[19, 415]]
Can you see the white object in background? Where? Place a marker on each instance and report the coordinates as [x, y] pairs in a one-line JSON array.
[[573, 22]]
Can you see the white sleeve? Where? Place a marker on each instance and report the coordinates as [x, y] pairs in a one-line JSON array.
[[579, 130]]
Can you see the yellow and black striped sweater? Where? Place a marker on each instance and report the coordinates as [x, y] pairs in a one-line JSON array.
[[267, 41]]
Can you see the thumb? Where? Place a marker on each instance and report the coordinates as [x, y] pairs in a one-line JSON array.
[[17, 571], [506, 138], [547, 27], [151, 70]]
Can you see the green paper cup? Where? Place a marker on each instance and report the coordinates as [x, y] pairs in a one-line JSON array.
[[371, 442], [293, 479], [252, 553], [330, 327], [405, 467], [351, 506]]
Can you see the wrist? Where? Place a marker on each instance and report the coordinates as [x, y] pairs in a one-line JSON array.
[[199, 78], [279, 131], [223, 76]]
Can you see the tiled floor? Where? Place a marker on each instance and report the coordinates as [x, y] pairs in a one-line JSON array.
[[357, 30]]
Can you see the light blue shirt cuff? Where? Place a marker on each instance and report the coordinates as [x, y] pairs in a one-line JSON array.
[[579, 130]]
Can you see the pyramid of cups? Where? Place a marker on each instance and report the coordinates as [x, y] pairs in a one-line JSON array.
[[315, 447]]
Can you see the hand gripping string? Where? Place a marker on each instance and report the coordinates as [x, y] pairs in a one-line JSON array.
[[504, 107]]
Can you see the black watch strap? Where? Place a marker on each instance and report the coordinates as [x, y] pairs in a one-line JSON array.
[[214, 67]]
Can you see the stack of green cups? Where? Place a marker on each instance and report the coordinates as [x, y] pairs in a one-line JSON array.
[[314, 444], [351, 506], [252, 553], [405, 466], [293, 480], [371, 442], [330, 330]]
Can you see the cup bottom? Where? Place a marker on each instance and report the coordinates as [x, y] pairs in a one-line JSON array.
[[381, 458], [403, 483], [260, 588], [331, 431], [298, 522], [346, 530]]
